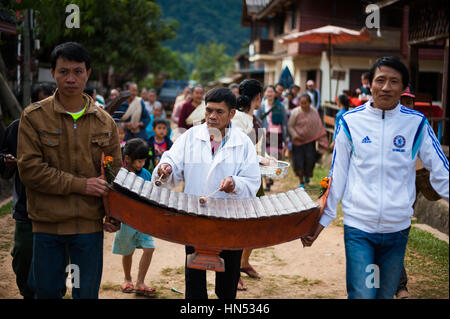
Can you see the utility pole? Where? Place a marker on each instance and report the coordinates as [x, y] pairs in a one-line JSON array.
[[26, 99]]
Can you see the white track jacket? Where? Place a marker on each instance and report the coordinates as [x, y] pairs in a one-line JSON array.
[[192, 161], [373, 167]]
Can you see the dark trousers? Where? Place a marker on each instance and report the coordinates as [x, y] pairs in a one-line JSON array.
[[226, 282], [21, 256], [403, 281], [48, 266], [304, 158]]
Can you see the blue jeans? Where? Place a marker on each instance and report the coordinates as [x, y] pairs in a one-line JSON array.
[[48, 266], [374, 262]]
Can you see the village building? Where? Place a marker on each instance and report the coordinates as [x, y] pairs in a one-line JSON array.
[[272, 21]]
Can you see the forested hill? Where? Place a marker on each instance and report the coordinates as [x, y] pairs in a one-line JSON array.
[[202, 21]]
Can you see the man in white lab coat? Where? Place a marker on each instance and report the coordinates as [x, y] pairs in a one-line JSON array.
[[207, 157]]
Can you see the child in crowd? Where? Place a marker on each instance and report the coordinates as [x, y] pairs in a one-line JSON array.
[[158, 143], [121, 133], [127, 239]]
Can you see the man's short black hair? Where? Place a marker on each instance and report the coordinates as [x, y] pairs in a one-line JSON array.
[[393, 63], [160, 121], [221, 94], [72, 51]]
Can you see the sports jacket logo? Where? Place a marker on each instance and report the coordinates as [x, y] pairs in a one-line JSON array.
[[366, 140], [399, 141]]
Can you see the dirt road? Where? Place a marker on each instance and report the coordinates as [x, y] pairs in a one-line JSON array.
[[287, 270]]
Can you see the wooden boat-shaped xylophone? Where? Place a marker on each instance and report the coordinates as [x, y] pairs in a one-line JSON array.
[[220, 224]]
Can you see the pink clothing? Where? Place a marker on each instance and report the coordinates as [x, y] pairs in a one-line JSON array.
[[272, 128], [305, 127], [176, 112]]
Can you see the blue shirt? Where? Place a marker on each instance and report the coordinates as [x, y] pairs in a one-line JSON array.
[[145, 174], [145, 118]]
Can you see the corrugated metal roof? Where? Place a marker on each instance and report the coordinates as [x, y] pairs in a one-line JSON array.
[[254, 6]]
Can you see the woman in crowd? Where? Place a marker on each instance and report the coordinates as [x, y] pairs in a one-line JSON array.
[[274, 120], [249, 100], [305, 128]]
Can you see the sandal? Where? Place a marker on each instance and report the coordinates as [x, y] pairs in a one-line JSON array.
[[127, 287], [250, 272], [403, 294], [241, 285], [146, 291]]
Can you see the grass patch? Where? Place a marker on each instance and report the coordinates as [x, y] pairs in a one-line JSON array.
[[426, 263], [172, 271], [6, 209], [110, 286]]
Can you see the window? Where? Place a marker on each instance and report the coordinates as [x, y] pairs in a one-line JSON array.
[[294, 18], [279, 24]]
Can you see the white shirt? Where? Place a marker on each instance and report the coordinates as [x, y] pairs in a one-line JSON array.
[[373, 167], [191, 160]]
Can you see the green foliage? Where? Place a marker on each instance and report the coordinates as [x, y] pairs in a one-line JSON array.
[[125, 34], [211, 62], [206, 21]]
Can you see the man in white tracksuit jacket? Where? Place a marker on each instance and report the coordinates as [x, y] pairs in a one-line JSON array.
[[205, 165], [373, 171]]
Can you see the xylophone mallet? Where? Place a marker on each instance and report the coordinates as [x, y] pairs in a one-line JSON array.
[[159, 181], [203, 199]]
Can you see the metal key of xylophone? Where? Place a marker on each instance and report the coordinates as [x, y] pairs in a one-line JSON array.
[[182, 203], [221, 209], [202, 209], [268, 206], [287, 204], [240, 210], [129, 180], [164, 197], [259, 207], [212, 207], [192, 204], [249, 208], [137, 185], [307, 201], [120, 177], [173, 200], [146, 190], [295, 200], [277, 204], [230, 208], [155, 195]]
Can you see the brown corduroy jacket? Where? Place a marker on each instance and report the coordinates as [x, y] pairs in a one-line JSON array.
[[56, 156]]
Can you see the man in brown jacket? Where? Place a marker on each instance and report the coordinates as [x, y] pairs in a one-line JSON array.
[[61, 140]]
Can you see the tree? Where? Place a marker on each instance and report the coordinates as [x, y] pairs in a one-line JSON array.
[[124, 34], [206, 21], [211, 62]]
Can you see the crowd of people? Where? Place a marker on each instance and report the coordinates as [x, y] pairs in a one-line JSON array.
[[55, 151]]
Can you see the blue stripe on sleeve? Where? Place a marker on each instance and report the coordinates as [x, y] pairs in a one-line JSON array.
[[332, 163], [418, 137], [437, 147]]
